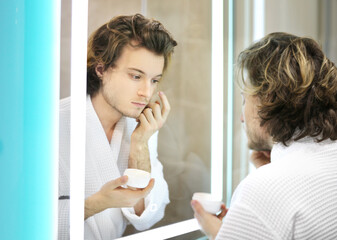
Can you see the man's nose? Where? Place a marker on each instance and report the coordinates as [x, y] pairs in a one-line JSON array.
[[241, 118], [145, 89]]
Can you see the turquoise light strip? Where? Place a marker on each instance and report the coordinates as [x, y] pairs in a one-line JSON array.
[[230, 102], [29, 63]]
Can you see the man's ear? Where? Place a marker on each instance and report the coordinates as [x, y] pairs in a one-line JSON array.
[[99, 70]]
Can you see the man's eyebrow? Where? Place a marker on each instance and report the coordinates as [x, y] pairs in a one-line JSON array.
[[140, 71], [137, 70]]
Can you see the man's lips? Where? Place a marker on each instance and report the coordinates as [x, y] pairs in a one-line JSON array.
[[139, 104]]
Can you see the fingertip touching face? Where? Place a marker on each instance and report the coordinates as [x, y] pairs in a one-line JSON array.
[[258, 137], [130, 84]]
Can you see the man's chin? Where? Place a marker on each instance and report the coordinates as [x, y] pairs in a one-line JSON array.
[[132, 115]]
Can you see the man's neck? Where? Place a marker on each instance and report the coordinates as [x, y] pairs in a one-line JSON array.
[[107, 115]]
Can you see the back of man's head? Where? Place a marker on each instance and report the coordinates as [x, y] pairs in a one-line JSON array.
[[296, 85], [105, 45]]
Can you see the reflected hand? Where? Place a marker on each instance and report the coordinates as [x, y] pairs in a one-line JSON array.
[[260, 158], [223, 212], [112, 195], [209, 223], [151, 119]]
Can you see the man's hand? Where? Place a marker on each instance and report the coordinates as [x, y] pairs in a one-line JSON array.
[[112, 195], [260, 158], [209, 223], [150, 120]]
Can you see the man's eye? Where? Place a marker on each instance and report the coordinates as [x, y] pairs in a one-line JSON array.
[[135, 77], [155, 81]]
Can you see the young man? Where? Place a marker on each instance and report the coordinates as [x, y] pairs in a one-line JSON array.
[[290, 108], [126, 60]]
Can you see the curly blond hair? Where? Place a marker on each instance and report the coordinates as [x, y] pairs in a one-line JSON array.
[[296, 85]]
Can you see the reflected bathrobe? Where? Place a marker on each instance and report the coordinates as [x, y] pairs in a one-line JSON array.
[[105, 162]]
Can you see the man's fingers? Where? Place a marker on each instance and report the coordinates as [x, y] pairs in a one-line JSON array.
[[138, 193], [198, 209], [266, 154], [261, 155], [118, 182], [166, 105], [155, 110], [148, 113], [148, 188], [143, 119], [260, 158], [223, 212]]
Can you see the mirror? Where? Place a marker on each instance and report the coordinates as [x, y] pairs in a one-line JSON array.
[[184, 143], [185, 158]]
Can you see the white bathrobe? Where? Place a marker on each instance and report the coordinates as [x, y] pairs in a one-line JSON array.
[[293, 197], [105, 162]]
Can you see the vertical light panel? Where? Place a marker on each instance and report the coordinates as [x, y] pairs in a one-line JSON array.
[[258, 19], [247, 33], [217, 99], [30, 65], [144, 8], [230, 102], [79, 26]]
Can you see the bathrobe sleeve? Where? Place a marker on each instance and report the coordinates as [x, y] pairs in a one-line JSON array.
[[158, 198]]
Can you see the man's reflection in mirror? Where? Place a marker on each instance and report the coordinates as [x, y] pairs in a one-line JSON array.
[[126, 60]]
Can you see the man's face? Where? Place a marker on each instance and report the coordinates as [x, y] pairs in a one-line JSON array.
[[258, 138], [129, 86]]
